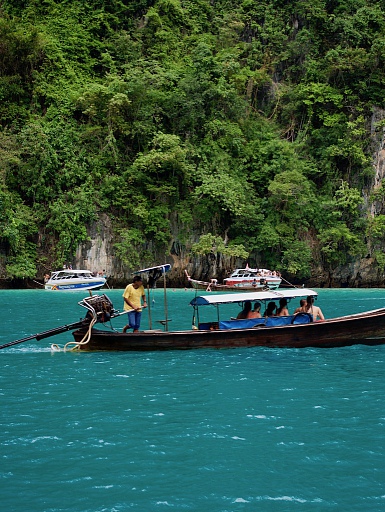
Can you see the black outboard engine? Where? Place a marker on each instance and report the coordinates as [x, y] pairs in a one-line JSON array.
[[99, 307]]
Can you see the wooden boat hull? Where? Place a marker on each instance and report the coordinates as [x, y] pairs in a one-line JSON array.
[[366, 328]]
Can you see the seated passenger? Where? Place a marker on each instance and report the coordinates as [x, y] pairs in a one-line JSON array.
[[282, 310], [270, 310], [256, 313], [245, 311], [313, 310], [301, 308]]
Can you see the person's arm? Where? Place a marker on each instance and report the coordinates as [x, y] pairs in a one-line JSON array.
[[320, 314], [144, 301], [127, 301]]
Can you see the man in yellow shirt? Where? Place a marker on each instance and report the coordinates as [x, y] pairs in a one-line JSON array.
[[132, 296]]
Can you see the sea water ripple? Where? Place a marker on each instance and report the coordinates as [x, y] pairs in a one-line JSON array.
[[216, 431]]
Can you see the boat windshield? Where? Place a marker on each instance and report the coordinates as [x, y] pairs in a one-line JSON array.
[[71, 275], [62, 275]]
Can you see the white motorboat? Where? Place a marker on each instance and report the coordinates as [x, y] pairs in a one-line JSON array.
[[256, 277], [213, 286], [74, 280]]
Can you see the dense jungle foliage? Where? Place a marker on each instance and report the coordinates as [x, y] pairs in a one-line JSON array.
[[248, 122]]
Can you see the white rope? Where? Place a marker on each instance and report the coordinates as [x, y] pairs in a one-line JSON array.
[[76, 344]]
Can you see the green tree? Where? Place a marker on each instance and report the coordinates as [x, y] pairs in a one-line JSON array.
[[215, 244]]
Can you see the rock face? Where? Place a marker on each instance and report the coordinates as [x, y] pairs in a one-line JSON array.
[[98, 255], [377, 133], [360, 273]]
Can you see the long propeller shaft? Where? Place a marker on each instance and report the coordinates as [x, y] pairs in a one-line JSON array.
[[47, 334]]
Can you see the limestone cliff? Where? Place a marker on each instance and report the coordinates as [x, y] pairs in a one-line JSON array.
[[98, 255]]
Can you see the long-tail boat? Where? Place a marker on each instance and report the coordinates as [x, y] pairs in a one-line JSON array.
[[294, 331]]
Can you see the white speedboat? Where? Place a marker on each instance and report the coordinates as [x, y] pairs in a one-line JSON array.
[[213, 286], [74, 280], [255, 277]]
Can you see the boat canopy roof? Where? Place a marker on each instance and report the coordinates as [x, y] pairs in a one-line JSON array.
[[162, 268], [227, 298], [154, 273], [71, 271]]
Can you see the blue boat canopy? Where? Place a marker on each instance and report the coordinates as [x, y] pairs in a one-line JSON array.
[[228, 298]]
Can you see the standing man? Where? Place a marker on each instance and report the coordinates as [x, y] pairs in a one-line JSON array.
[[132, 303]]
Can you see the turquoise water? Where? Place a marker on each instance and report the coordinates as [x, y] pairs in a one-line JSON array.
[[216, 431]]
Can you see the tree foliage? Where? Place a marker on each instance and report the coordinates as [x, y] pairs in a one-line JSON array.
[[246, 121], [216, 245]]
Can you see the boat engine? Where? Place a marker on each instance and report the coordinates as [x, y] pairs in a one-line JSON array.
[[99, 306]]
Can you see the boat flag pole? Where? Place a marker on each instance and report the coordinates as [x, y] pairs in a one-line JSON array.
[[149, 306], [165, 300], [154, 273]]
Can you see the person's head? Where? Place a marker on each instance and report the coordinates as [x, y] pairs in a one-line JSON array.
[[282, 303], [302, 302], [247, 306], [137, 281], [271, 306], [310, 300], [257, 306]]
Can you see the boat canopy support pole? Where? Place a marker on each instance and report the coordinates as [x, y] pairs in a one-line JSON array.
[[195, 317], [149, 307], [165, 302]]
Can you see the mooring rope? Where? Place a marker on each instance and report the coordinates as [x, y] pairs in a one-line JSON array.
[[290, 284]]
